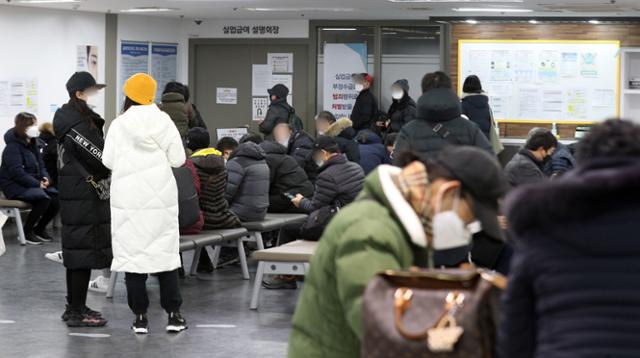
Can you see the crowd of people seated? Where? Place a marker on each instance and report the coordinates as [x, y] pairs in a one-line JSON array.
[[558, 220]]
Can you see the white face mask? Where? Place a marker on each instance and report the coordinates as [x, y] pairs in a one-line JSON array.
[[320, 132], [319, 162], [92, 101], [33, 132], [397, 95], [359, 87], [285, 142], [449, 230]]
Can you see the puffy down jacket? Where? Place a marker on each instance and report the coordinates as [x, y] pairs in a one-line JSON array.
[[248, 187]]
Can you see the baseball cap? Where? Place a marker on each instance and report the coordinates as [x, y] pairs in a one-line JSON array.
[[279, 90], [81, 81], [326, 143], [481, 175]]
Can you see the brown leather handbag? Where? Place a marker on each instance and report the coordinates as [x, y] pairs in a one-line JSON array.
[[448, 313]]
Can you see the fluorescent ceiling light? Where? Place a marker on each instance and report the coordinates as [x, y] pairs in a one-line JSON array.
[[298, 9], [48, 1], [457, 1], [594, 22], [490, 9], [471, 21], [150, 9], [339, 29], [533, 21]]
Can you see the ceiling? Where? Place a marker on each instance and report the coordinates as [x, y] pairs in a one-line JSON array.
[[354, 9]]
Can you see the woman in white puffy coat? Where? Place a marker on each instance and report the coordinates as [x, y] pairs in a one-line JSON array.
[[142, 146]]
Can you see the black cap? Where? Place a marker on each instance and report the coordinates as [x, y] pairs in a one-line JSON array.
[[198, 138], [482, 176], [81, 81], [326, 143], [279, 90]]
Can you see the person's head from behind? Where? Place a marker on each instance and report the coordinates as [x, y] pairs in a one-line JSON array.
[[435, 80], [390, 143], [278, 91], [324, 120], [82, 87], [363, 81], [198, 138], [26, 126], [613, 138], [175, 87], [541, 143], [47, 127], [140, 90], [325, 148], [226, 146], [251, 137], [472, 85], [282, 133]]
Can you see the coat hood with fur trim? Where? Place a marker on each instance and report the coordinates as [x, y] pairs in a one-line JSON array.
[[339, 126]]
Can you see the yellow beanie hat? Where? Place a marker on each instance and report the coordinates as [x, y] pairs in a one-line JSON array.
[[141, 88]]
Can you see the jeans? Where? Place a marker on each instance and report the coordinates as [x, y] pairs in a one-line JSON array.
[[138, 299]]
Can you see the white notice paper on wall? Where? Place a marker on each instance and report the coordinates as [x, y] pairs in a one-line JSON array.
[[226, 95], [235, 133], [286, 80], [261, 80], [259, 107], [280, 62]]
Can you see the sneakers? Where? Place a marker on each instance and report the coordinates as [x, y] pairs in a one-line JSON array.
[[43, 235], [84, 320], [140, 325], [100, 284], [280, 283], [32, 239], [55, 256], [176, 323], [85, 311]]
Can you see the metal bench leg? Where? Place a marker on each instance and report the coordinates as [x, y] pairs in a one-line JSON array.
[[259, 242], [243, 259], [21, 237], [112, 284], [216, 256], [194, 263], [257, 284]]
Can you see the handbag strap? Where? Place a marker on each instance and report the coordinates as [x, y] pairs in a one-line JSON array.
[[443, 132], [76, 163]]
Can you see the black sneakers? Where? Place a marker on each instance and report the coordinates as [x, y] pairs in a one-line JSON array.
[[176, 323], [43, 235], [141, 324], [32, 239], [85, 311], [83, 320]]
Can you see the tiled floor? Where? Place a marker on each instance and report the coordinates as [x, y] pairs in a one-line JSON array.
[[32, 295]]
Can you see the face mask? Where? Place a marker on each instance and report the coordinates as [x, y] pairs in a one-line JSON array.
[[449, 231], [397, 95], [284, 142], [92, 101], [319, 162], [359, 87], [33, 132]]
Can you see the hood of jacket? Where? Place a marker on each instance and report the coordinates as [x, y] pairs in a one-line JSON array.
[[171, 97], [136, 122], [209, 160], [603, 187], [478, 100], [10, 137], [343, 127], [67, 117], [249, 150], [438, 105], [271, 147], [367, 136]]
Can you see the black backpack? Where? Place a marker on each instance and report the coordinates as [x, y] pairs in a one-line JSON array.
[[295, 122], [188, 203]]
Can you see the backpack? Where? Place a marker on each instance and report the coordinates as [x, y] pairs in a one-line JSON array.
[[295, 122], [188, 202]]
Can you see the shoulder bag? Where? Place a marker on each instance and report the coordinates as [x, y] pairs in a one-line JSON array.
[[317, 221], [101, 187]]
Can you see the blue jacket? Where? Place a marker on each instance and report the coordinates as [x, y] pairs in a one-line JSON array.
[[476, 107], [561, 161], [372, 151], [22, 169]]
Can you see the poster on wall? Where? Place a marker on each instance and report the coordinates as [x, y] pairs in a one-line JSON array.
[[259, 107], [235, 133], [164, 64], [18, 95], [286, 80], [261, 80], [134, 58], [87, 60], [226, 95], [340, 62], [280, 62]]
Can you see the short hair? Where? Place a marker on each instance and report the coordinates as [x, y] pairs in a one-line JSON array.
[[187, 93], [327, 116], [47, 127], [390, 141], [472, 85], [22, 121], [226, 143], [175, 87], [251, 137], [612, 138], [541, 138], [434, 80]]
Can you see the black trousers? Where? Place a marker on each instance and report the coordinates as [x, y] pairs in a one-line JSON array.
[[138, 299], [41, 214], [289, 233], [77, 286]]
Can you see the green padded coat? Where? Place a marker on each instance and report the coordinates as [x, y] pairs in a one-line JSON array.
[[378, 231], [173, 104]]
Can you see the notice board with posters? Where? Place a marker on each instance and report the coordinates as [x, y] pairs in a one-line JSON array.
[[545, 80]]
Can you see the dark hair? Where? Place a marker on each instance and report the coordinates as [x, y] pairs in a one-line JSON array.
[[128, 103], [334, 149], [175, 87], [187, 93], [542, 138], [327, 116], [251, 137], [226, 143], [81, 106], [613, 138], [434, 80], [390, 140], [23, 121], [472, 85]]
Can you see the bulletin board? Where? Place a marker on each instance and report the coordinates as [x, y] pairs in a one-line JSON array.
[[544, 81]]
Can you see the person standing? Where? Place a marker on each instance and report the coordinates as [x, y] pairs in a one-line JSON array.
[[475, 105], [23, 176], [175, 105], [86, 219], [403, 107], [141, 147], [365, 110], [279, 110]]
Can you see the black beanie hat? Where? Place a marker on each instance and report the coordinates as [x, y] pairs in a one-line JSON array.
[[198, 138]]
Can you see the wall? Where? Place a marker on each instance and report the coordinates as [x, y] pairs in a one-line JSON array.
[[629, 35], [41, 44]]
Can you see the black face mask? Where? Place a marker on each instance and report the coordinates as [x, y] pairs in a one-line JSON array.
[[546, 159]]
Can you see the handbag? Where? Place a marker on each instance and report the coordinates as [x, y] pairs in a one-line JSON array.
[[317, 221], [494, 136], [102, 187], [444, 313]]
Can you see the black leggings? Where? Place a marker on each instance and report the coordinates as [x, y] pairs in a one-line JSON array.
[[42, 212], [77, 286], [138, 299]]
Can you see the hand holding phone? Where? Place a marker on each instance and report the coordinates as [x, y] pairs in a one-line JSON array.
[[290, 196]]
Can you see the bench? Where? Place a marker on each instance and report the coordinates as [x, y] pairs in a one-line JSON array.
[[289, 259], [226, 237], [271, 222], [13, 209]]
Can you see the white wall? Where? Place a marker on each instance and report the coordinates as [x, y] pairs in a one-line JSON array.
[[42, 44]]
